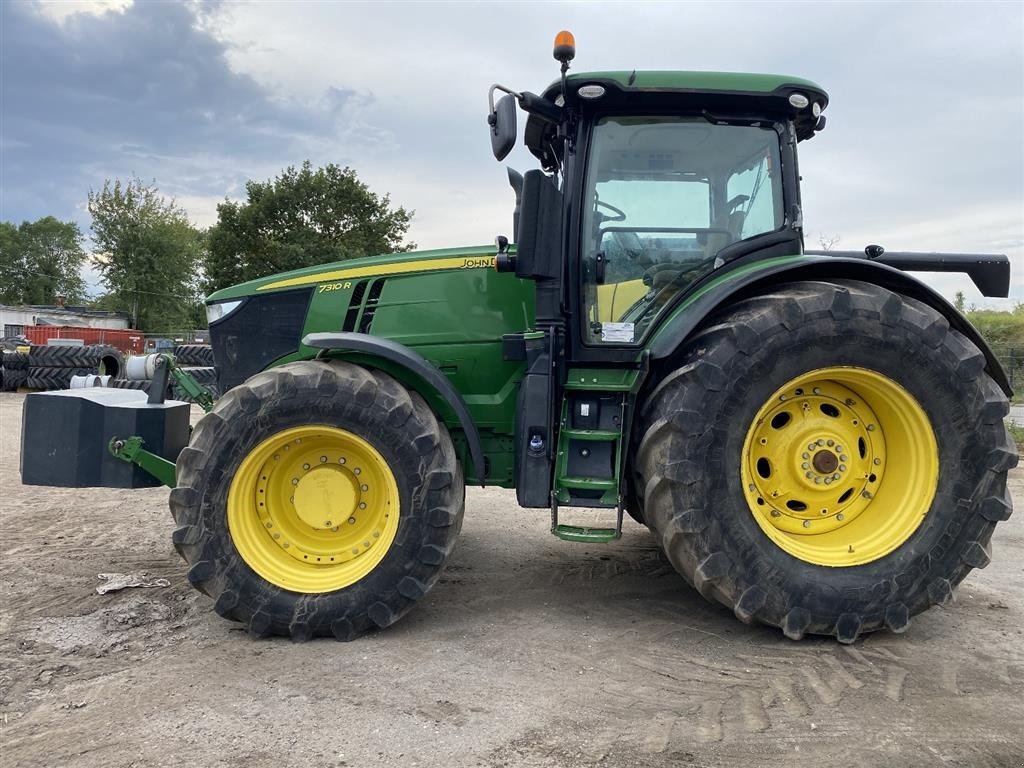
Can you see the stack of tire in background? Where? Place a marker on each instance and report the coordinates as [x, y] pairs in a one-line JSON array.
[[51, 367], [13, 370], [196, 359]]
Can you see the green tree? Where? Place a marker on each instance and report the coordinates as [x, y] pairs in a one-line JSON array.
[[148, 254], [301, 218], [41, 260], [959, 301]]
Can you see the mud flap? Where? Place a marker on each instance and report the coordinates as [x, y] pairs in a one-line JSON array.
[[64, 436]]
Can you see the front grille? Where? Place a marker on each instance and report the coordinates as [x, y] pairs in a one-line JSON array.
[[264, 328]]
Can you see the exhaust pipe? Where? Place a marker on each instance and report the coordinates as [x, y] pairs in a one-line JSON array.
[[515, 178]]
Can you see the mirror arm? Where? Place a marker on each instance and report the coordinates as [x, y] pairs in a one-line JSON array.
[[503, 89]]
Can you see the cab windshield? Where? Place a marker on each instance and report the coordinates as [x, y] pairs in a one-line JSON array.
[[664, 195]]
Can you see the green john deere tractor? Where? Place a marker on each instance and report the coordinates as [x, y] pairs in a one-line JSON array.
[[816, 440]]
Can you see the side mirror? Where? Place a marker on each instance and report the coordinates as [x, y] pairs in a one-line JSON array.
[[503, 126]]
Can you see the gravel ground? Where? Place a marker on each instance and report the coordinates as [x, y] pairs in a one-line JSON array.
[[530, 651]]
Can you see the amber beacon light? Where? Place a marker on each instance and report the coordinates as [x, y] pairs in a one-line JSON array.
[[565, 47]]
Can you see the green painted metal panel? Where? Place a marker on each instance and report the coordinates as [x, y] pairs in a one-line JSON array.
[[602, 379], [333, 276]]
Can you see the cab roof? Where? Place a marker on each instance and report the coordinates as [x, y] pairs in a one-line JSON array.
[[677, 80], [715, 93]]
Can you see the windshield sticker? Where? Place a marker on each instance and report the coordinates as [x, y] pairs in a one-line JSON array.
[[617, 332]]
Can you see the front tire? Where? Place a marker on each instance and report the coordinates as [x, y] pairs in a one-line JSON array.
[[733, 478], [317, 499]]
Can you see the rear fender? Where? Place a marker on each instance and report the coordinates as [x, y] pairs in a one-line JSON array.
[[437, 386], [681, 324]]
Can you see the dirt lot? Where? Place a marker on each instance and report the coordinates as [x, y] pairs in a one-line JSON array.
[[530, 651]]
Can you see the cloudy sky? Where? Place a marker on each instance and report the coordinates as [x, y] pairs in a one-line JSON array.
[[924, 148]]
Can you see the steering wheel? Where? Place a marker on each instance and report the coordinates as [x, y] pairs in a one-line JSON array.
[[617, 213]]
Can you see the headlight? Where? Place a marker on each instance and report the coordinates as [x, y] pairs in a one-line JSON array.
[[220, 310]]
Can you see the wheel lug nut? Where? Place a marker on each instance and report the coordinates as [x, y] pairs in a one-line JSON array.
[[807, 523], [751, 487], [810, 474], [364, 487], [351, 521], [805, 455], [820, 441], [306, 467], [871, 427], [840, 516], [356, 471], [849, 401], [295, 481], [842, 468], [836, 476], [831, 443], [817, 481], [362, 505], [844, 457], [877, 462], [805, 465], [775, 513], [866, 494], [828, 481], [810, 447], [323, 459]]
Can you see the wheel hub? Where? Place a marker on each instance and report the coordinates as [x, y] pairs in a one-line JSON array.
[[825, 462], [324, 495]]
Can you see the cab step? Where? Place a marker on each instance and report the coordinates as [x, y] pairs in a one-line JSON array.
[[585, 535]]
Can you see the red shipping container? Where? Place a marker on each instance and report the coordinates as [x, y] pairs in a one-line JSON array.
[[129, 342]]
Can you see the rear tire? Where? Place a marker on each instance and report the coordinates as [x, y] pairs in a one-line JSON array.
[[253, 426], [695, 429]]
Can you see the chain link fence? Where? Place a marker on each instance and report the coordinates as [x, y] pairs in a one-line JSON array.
[[1012, 359]]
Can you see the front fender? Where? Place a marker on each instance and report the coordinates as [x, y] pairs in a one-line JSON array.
[[720, 293], [413, 362]]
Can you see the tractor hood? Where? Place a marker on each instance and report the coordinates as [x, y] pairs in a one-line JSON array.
[[447, 304], [472, 257]]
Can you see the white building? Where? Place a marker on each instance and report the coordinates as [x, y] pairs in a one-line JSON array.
[[14, 319]]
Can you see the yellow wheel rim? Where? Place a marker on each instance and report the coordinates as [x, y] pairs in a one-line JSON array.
[[313, 509], [840, 466]]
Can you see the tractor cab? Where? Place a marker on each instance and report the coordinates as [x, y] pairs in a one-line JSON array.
[[662, 178], [651, 184]]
